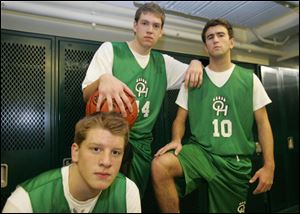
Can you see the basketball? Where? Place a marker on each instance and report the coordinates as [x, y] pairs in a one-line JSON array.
[[92, 104]]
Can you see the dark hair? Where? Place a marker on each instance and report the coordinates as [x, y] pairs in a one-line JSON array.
[[215, 22], [111, 121], [150, 8]]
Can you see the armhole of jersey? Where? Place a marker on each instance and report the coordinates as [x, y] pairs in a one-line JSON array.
[[133, 201]]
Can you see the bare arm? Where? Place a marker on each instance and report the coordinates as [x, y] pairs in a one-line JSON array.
[[178, 130], [266, 173], [194, 74], [89, 90], [99, 77]]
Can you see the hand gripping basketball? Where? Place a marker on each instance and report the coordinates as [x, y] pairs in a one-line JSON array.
[[92, 104]]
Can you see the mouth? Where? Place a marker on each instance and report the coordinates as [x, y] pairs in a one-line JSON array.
[[148, 38], [102, 175]]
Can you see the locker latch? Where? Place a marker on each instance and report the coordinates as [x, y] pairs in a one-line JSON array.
[[4, 175]]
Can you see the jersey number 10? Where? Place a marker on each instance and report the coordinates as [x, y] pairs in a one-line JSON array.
[[226, 128]]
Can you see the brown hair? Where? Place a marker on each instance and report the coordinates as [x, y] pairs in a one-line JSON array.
[[215, 22], [111, 121], [150, 8]]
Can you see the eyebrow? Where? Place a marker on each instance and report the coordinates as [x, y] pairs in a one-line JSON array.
[[145, 20], [99, 144], [221, 32]]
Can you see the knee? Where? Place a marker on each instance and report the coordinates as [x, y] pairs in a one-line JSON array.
[[156, 166], [160, 167]]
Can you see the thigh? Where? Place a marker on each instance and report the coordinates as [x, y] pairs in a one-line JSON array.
[[197, 166], [139, 168], [229, 189]]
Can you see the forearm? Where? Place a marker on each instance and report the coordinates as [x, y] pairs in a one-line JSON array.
[[266, 141], [178, 130], [89, 90]]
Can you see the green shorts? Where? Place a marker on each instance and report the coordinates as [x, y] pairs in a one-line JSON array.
[[227, 177], [140, 166]]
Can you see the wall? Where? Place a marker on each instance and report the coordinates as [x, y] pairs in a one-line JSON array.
[[84, 20]]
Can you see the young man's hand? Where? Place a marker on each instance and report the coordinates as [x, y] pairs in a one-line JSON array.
[[194, 74], [174, 145], [112, 88], [265, 176]]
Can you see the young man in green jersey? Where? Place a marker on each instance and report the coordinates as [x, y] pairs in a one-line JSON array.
[[92, 183], [221, 115], [135, 68]]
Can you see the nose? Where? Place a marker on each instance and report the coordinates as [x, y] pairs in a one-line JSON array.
[[150, 28], [215, 39], [105, 159]]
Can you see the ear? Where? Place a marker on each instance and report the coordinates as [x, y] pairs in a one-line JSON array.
[[134, 26], [75, 152], [161, 33], [205, 48], [232, 43]]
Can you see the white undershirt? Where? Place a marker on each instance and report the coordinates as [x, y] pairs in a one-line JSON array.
[[19, 200], [102, 63], [260, 96]]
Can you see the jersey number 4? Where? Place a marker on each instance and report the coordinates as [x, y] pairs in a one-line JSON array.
[[145, 109]]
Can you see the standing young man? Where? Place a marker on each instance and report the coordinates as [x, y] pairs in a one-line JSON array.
[[92, 183], [221, 114], [147, 74]]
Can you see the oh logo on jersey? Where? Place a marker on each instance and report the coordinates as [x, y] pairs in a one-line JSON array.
[[142, 89], [219, 105]]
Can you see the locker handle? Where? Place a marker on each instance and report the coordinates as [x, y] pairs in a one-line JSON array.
[[258, 149], [4, 175], [290, 142]]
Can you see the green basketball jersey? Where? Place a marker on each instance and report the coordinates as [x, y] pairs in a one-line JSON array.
[[221, 118], [148, 84], [47, 195]]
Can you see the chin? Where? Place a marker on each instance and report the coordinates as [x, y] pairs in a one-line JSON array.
[[148, 44], [103, 185]]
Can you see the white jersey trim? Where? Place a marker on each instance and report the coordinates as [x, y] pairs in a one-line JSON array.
[[260, 96], [102, 63], [19, 200]]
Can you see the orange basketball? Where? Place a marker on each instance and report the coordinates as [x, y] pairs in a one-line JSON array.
[[92, 104]]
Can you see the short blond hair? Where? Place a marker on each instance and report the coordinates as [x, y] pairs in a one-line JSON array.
[[110, 121]]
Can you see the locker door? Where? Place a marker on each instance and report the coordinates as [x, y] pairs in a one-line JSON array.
[[74, 57], [282, 87], [26, 133], [290, 108]]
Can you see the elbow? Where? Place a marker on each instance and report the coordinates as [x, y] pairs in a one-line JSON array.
[[85, 96]]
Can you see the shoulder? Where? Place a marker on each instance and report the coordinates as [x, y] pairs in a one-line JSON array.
[[244, 73], [42, 179], [133, 200], [168, 58], [118, 44], [18, 202], [106, 46], [131, 184], [157, 54], [244, 70], [132, 189]]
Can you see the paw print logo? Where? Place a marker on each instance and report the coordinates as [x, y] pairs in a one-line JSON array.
[[141, 87], [219, 105], [241, 207]]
